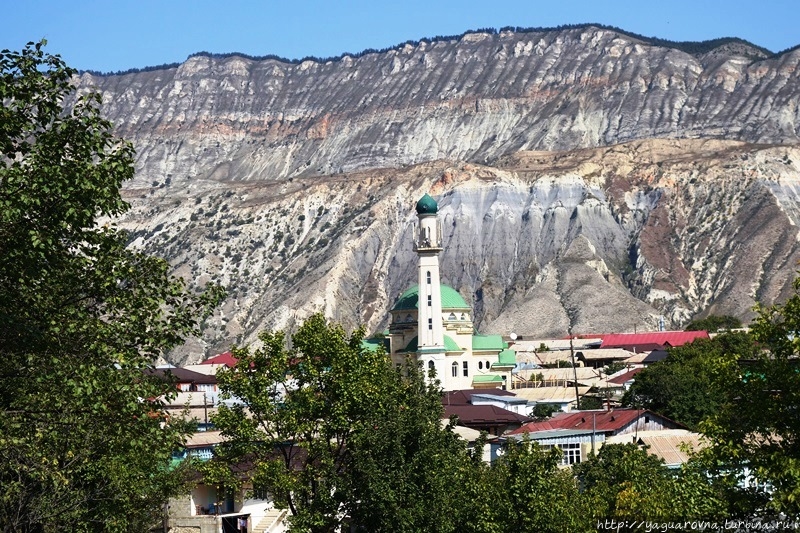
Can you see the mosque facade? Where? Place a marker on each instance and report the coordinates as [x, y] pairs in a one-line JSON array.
[[432, 325]]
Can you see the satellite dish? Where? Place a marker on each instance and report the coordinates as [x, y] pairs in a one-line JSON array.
[[513, 336]]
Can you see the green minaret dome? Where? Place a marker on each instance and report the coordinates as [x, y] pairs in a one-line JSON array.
[[427, 205]]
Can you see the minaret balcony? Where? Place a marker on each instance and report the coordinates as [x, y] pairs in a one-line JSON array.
[[427, 246]]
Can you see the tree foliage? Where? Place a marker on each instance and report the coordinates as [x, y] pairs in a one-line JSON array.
[[338, 436], [755, 435], [625, 482], [714, 323], [694, 381], [531, 493], [83, 440]]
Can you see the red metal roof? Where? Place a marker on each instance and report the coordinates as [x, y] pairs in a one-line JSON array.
[[644, 341], [604, 421], [226, 359], [622, 378]]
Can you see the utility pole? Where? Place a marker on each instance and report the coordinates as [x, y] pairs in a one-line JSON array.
[[574, 370]]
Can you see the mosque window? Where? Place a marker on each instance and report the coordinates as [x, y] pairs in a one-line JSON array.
[[487, 365], [480, 365], [466, 368], [463, 316], [452, 316], [430, 323], [428, 277], [409, 318], [454, 368], [430, 300]]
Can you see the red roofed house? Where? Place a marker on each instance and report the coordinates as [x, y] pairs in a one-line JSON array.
[[579, 433], [645, 342], [613, 422], [490, 418], [625, 379], [482, 415], [226, 359], [186, 380]]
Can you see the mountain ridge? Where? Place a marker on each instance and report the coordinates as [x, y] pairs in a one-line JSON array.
[[699, 47], [586, 181]]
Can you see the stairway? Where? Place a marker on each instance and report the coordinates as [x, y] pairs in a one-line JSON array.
[[272, 521]]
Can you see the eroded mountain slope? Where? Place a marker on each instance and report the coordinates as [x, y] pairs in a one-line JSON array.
[[605, 239]]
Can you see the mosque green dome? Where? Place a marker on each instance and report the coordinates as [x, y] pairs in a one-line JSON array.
[[427, 205], [450, 299]]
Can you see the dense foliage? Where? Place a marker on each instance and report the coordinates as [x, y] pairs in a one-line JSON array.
[[625, 482], [338, 436], [755, 435], [694, 381], [714, 323], [83, 440], [742, 391]]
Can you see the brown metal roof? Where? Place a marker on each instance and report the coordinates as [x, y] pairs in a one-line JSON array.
[[666, 444], [483, 414]]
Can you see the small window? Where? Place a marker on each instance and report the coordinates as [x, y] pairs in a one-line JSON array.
[[431, 368], [430, 323], [428, 277], [480, 365], [466, 368], [454, 368], [430, 365], [488, 366], [463, 316], [430, 300], [452, 316]]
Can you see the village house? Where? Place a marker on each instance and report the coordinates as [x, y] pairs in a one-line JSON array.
[[579, 433]]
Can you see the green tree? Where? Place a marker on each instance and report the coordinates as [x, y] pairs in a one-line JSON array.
[[624, 482], [543, 411], [338, 436], [83, 440], [755, 434], [694, 381], [714, 323], [529, 492]]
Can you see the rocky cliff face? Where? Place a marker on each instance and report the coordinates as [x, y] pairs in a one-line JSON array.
[[586, 180]]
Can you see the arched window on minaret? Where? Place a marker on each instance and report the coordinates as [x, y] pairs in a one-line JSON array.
[[454, 368], [428, 277], [466, 368], [430, 301], [431, 367]]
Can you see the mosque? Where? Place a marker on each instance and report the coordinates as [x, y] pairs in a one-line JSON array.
[[432, 324]]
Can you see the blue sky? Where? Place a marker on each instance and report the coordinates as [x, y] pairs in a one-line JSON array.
[[116, 35]]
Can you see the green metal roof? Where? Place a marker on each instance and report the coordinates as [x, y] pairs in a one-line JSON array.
[[506, 357], [487, 343], [372, 345], [485, 378], [427, 205], [450, 299], [449, 345]]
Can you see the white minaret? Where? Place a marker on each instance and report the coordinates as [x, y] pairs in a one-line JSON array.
[[428, 243]]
